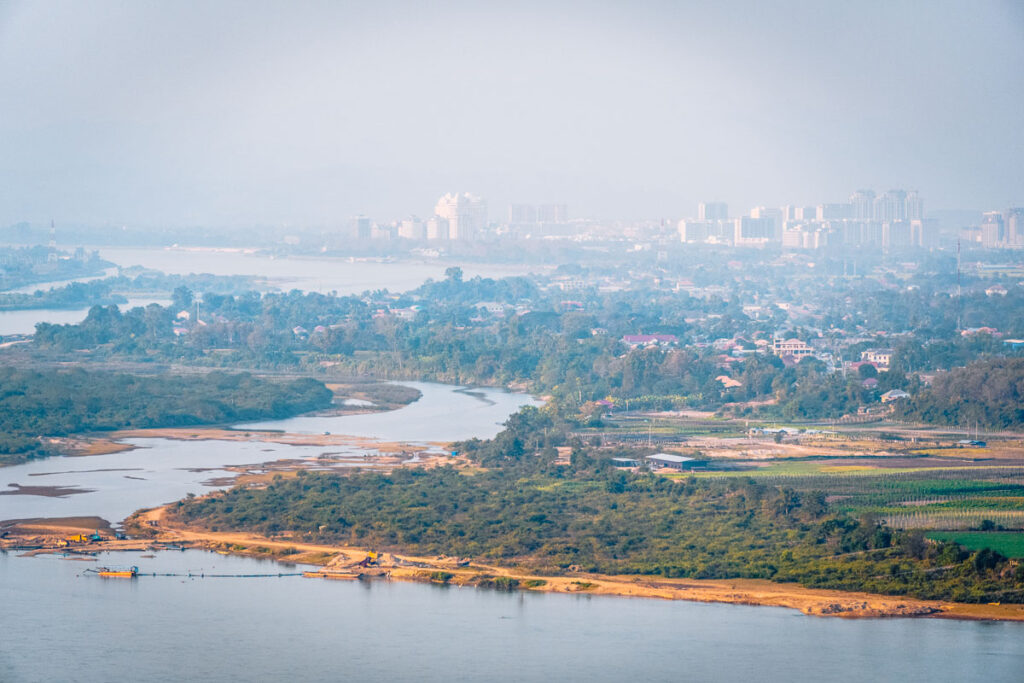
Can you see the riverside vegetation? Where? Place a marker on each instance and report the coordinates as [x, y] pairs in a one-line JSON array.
[[523, 332], [518, 506], [36, 403]]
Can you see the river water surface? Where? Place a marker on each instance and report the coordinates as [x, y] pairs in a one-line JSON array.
[[442, 413], [162, 471], [24, 321], [60, 624], [308, 273], [312, 274]]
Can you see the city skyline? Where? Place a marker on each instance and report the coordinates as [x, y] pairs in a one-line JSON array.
[[893, 219]]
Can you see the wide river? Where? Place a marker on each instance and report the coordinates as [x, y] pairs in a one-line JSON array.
[[312, 274], [60, 624], [308, 273]]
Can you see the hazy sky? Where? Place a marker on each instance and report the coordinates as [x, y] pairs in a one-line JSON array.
[[302, 113]]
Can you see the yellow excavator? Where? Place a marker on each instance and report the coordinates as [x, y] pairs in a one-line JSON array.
[[372, 559]]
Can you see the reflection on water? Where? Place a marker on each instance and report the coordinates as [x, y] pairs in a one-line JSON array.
[[443, 413], [161, 471], [158, 471]]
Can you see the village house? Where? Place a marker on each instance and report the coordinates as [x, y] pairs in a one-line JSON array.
[[894, 395], [791, 347], [650, 340], [880, 358]]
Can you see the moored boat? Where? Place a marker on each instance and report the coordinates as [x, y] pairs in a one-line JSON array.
[[327, 574]]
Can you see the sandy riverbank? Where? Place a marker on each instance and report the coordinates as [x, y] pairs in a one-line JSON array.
[[290, 439], [816, 602]]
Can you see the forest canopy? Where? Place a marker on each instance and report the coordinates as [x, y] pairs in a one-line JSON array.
[[38, 403], [988, 394]]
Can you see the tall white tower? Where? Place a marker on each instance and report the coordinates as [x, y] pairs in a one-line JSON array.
[[51, 256], [466, 215]]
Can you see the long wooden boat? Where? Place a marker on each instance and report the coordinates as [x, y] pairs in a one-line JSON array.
[[328, 574]]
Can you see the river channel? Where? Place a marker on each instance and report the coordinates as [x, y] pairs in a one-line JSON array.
[[58, 623], [312, 274], [161, 471], [308, 273]]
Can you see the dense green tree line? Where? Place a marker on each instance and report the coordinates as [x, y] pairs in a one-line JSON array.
[[111, 290], [512, 331], [537, 515], [526, 508], [987, 394], [21, 266], [36, 404], [72, 295]]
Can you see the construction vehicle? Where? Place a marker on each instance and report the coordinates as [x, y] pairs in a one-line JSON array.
[[371, 560], [82, 538]]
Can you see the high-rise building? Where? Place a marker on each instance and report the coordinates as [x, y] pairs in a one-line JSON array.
[[412, 229], [805, 237], [891, 206], [51, 254], [522, 213], [896, 234], [923, 232], [915, 206], [361, 227], [385, 231], [437, 228], [1013, 227], [863, 202], [466, 215], [834, 212], [713, 211], [552, 213], [694, 231], [750, 230], [992, 230], [774, 214]]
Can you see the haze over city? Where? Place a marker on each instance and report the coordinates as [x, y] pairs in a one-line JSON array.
[[404, 341], [241, 114]]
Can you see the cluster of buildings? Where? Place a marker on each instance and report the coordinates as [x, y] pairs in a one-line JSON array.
[[891, 220], [457, 216], [463, 217], [998, 230]]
